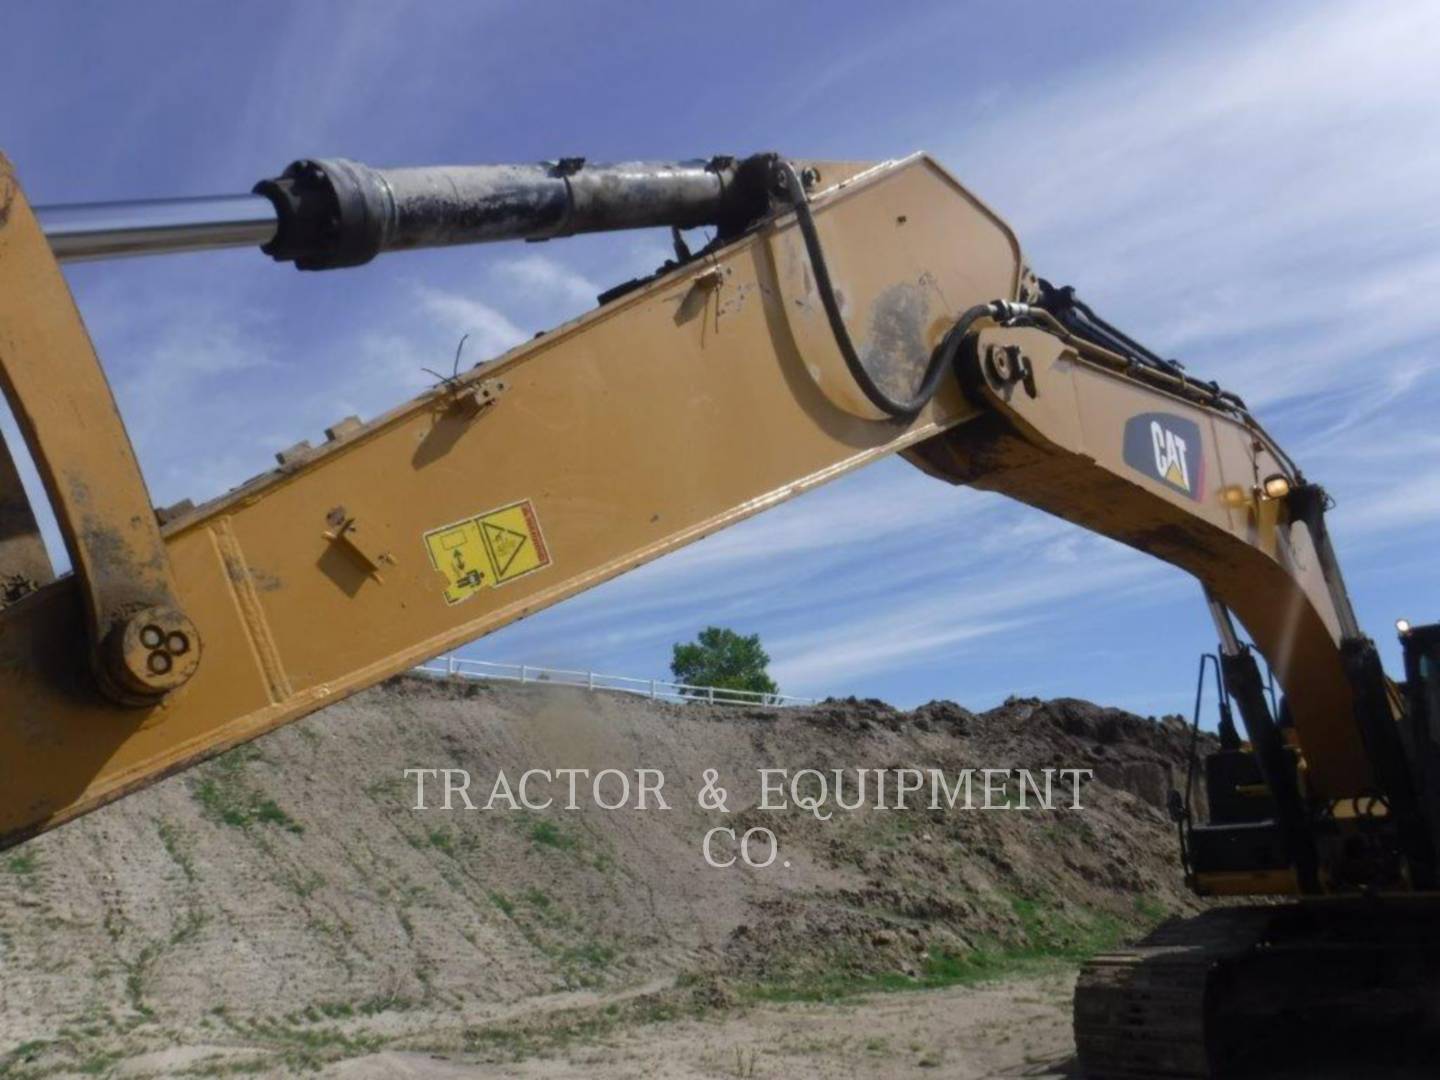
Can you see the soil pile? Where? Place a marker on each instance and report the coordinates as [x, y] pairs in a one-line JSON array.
[[284, 906]]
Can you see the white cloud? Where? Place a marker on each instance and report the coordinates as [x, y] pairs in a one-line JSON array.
[[491, 332], [552, 279], [1272, 180], [966, 604], [1258, 198]]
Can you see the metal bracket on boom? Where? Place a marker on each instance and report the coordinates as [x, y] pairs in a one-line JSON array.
[[142, 646]]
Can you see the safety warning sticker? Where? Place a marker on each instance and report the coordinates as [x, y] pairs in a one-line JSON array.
[[487, 550]]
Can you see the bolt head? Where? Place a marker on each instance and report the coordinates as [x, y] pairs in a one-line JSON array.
[[155, 651], [998, 360]]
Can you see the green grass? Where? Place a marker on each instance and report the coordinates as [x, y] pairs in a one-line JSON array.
[[243, 1067], [591, 954], [228, 797], [300, 1043], [548, 926], [170, 839], [1051, 939], [100, 1063], [517, 1040], [23, 864], [267, 812], [1150, 909], [383, 1003], [548, 834], [22, 1055]]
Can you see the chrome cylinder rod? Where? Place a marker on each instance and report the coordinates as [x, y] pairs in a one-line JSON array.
[[156, 226]]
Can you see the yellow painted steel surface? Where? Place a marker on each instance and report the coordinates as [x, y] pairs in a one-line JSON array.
[[704, 397], [1070, 460], [646, 425], [1248, 883], [55, 386]]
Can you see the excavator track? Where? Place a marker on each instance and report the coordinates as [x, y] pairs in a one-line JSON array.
[[1220, 994], [1148, 1012]]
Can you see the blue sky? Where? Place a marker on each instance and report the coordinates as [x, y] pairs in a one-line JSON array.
[[1250, 188]]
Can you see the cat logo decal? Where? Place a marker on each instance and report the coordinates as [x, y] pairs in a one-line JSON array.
[[1168, 449]]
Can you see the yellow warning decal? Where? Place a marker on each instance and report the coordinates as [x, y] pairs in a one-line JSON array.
[[487, 550]]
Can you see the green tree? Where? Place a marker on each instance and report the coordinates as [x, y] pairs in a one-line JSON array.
[[724, 659]]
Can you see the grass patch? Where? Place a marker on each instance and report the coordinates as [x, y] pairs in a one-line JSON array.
[[306, 1049], [1150, 909], [100, 1063], [227, 797], [23, 864], [268, 812], [550, 928], [22, 1055], [548, 834], [941, 969], [170, 840], [521, 1039], [591, 955], [1051, 939], [243, 1067], [383, 1003]]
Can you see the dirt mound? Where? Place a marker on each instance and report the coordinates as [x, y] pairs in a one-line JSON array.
[[284, 906]]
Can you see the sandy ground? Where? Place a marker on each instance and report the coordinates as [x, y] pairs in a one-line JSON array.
[[1018, 1028], [284, 908]]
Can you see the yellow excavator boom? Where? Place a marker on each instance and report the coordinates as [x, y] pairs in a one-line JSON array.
[[845, 312]]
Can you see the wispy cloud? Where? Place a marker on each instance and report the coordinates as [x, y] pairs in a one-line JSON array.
[[552, 279], [1256, 197], [489, 330]]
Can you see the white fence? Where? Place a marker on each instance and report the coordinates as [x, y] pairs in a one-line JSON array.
[[593, 680]]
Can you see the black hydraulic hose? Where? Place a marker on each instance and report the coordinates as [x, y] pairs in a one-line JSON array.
[[1081, 319], [1065, 300], [940, 360]]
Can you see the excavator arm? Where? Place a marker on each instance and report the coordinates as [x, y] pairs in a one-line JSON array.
[[843, 313], [685, 405]]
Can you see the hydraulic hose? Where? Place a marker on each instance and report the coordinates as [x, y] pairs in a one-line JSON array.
[[941, 360]]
